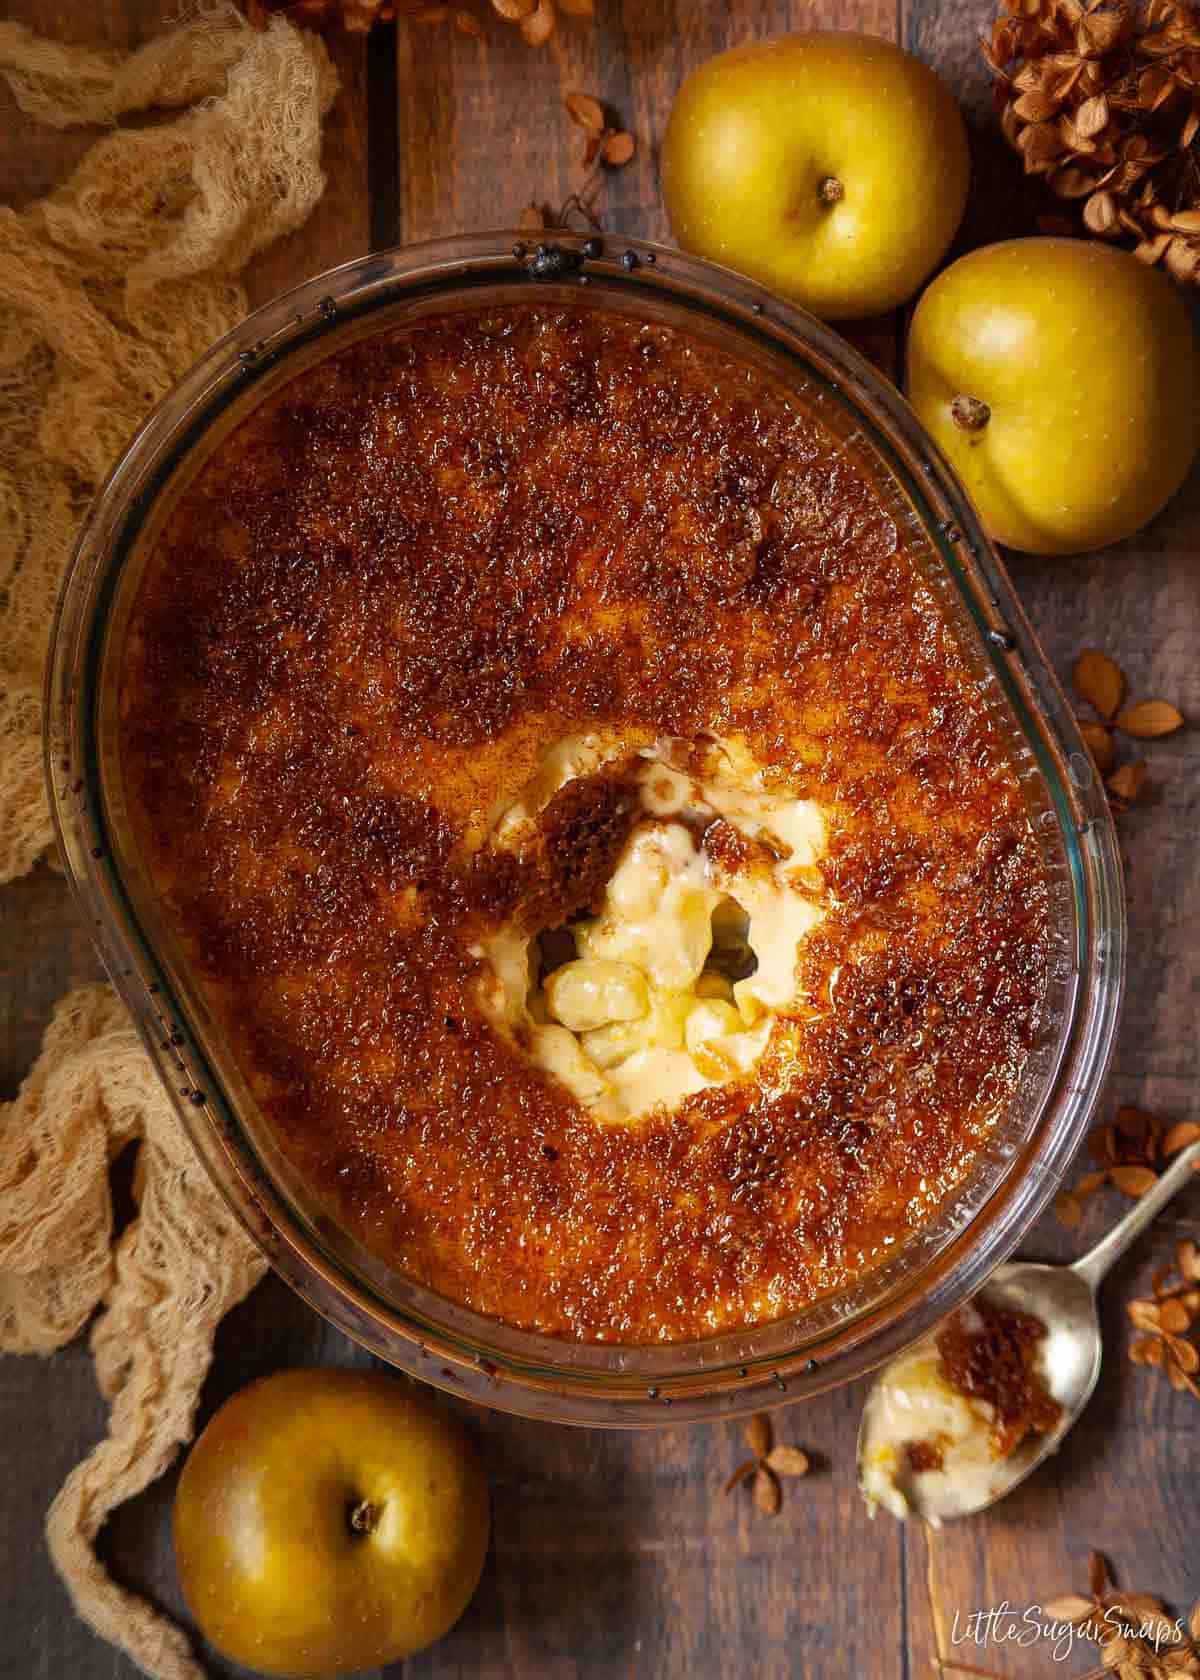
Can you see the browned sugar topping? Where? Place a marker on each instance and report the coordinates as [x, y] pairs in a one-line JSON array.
[[407, 572], [995, 1360]]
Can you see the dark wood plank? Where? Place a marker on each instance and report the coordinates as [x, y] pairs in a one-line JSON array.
[[1128, 1479]]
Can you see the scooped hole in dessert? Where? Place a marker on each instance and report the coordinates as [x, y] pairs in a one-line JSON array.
[[672, 979]]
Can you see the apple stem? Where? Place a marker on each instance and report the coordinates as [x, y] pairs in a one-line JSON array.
[[830, 190], [969, 413], [364, 1517]]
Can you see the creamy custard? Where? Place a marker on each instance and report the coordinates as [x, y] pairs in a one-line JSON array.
[[945, 1422]]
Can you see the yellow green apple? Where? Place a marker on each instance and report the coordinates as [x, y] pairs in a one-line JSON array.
[[328, 1521], [1059, 376], [831, 167]]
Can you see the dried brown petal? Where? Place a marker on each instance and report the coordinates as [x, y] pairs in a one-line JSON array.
[[788, 1461], [586, 111], [533, 219], [1035, 106], [1178, 1137], [1149, 718], [1040, 145], [1099, 680], [1187, 1258], [537, 28], [767, 1494], [512, 11], [1092, 116], [1071, 1607], [1174, 1317], [1100, 213], [1146, 1350], [1136, 1608], [1100, 32], [1182, 260], [1185, 1354], [1099, 743], [1150, 251], [618, 149], [1155, 86], [1133, 1181], [1126, 783], [1194, 1621], [1143, 1314], [1090, 1183], [758, 1434], [1068, 1208], [748, 1467], [1073, 182]]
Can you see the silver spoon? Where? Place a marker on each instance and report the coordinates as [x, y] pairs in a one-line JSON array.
[[1064, 1299]]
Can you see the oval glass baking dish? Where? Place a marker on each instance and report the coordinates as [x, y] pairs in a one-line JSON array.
[[839, 1336]]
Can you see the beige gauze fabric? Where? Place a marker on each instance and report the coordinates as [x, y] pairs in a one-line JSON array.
[[109, 289]]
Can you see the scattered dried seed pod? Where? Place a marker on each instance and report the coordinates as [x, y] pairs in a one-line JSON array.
[[758, 1434], [1072, 1608], [1099, 741], [1149, 718], [1100, 681], [1178, 1137], [1126, 783], [586, 111], [1133, 1181], [1174, 1317], [788, 1461], [767, 1493], [618, 149], [747, 1468], [1068, 1208], [537, 28], [1090, 1183], [1102, 100]]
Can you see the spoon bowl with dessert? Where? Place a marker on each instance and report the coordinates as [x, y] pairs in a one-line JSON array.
[[966, 1415]]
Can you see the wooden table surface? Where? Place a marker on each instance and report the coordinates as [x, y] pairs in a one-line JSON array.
[[615, 1554]]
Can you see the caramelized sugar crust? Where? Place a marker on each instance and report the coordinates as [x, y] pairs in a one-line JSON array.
[[413, 567]]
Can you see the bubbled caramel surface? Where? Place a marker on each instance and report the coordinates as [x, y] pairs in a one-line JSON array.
[[409, 570]]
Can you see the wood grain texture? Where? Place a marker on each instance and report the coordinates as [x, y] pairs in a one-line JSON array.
[[616, 1554]]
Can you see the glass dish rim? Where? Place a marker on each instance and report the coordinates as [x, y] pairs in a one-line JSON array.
[[525, 1378]]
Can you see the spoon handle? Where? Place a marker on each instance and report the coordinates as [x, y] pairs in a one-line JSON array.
[[1096, 1262]]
